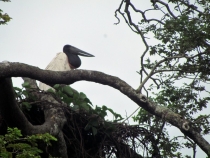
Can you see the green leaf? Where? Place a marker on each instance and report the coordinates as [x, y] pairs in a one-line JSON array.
[[75, 107], [19, 146], [94, 122], [26, 85], [68, 90], [67, 100], [5, 154], [76, 96], [84, 106], [26, 105], [56, 86], [51, 90], [94, 130], [13, 142], [17, 89], [14, 131], [88, 101], [87, 127], [26, 93], [82, 96], [102, 114]]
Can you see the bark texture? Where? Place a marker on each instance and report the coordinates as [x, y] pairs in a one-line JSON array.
[[54, 124]]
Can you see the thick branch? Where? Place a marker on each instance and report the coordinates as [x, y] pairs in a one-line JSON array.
[[14, 117], [68, 77], [8, 107]]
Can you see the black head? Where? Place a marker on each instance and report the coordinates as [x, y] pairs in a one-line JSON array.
[[72, 54]]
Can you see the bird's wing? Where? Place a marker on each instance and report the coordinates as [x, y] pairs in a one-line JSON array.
[[59, 63]]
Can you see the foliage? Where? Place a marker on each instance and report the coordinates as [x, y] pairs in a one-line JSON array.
[[22, 94], [174, 73], [174, 66], [86, 129], [13, 144], [4, 17], [79, 101]]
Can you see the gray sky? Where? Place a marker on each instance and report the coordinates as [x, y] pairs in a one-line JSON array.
[[39, 29]]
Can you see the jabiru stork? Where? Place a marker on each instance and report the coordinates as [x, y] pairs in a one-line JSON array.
[[65, 61]]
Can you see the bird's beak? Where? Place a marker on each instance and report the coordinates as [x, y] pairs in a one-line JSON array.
[[77, 51]]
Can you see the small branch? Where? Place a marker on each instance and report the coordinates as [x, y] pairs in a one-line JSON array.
[[142, 37], [152, 72], [118, 10], [191, 6], [167, 7], [144, 16], [144, 98]]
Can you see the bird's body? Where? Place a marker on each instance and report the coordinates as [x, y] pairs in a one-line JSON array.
[[65, 61], [59, 63]]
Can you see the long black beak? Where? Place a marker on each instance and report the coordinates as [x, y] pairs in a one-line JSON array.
[[72, 54], [77, 51]]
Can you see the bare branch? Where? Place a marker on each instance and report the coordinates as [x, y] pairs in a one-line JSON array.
[[167, 7], [118, 10]]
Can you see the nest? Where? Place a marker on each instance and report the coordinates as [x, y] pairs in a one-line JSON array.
[[87, 135], [108, 139]]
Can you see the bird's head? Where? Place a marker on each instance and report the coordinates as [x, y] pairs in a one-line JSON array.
[[72, 54]]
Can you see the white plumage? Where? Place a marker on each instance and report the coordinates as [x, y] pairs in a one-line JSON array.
[[65, 61], [59, 63]]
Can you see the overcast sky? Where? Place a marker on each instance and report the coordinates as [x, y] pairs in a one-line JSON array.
[[39, 29]]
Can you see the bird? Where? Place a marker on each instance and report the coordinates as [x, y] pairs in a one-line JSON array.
[[65, 61]]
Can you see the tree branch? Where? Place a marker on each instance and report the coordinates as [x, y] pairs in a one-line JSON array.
[[68, 77], [23, 70], [14, 117], [9, 107]]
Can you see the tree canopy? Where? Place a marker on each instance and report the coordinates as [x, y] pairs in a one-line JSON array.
[[173, 91]]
